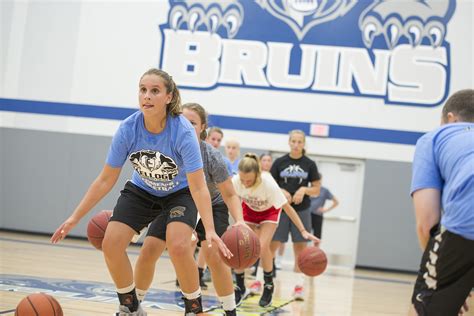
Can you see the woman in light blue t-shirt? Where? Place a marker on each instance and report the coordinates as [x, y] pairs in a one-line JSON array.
[[167, 184]]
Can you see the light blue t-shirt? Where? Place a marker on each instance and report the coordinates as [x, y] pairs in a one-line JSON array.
[[320, 200], [444, 160], [228, 165], [234, 166], [160, 161]]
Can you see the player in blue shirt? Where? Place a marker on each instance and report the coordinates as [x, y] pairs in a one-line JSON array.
[[443, 196], [168, 183], [224, 201]]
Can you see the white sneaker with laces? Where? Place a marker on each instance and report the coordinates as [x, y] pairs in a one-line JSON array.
[[255, 287], [298, 293], [124, 311]]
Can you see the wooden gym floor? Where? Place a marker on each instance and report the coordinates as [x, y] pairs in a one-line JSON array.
[[29, 263]]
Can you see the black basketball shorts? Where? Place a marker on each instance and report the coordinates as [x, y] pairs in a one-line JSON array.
[[220, 214], [137, 208], [446, 275]]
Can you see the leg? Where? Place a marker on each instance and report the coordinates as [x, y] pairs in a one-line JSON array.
[[201, 260], [240, 273], [220, 272], [299, 244], [201, 263], [266, 255], [298, 247], [178, 241], [317, 223], [150, 252], [116, 240]]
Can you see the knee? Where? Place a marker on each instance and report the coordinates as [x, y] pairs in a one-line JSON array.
[[178, 248], [111, 246], [265, 248]]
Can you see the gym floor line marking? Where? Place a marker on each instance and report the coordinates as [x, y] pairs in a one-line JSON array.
[[133, 252], [357, 277], [7, 311]]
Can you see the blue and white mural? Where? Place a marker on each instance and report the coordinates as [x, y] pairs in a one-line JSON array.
[[373, 74], [387, 49]]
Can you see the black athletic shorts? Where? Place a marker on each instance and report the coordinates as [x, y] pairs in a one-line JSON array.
[[317, 223], [446, 275], [137, 208], [220, 214]]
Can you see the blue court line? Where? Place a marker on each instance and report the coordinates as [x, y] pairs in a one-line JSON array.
[[226, 122], [367, 278]]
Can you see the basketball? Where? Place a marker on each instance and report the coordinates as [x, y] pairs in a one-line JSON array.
[[312, 261], [244, 245], [96, 228], [38, 304]]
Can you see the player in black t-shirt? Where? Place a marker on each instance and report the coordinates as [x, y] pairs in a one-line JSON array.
[[298, 177]]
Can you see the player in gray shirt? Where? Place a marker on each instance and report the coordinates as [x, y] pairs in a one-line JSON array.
[[224, 200]]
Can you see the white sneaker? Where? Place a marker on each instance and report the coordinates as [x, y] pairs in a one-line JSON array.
[[255, 287], [124, 311], [298, 293]]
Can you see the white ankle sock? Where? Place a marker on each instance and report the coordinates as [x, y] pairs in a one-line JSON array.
[[194, 295], [127, 289], [141, 294], [228, 302]]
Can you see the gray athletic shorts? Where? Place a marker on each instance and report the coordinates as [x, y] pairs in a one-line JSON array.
[[285, 226]]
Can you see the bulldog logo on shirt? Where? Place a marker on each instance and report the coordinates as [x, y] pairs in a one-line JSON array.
[[153, 165]]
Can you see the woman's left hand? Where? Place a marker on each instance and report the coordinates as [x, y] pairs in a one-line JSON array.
[[241, 223], [309, 236], [299, 195], [212, 237]]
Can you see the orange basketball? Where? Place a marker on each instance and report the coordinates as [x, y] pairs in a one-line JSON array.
[[96, 228], [312, 261], [244, 245], [38, 304]]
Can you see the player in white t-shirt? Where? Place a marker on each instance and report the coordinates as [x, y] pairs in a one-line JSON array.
[[262, 202]]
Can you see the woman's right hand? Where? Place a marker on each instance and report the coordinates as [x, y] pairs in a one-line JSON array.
[[64, 229]]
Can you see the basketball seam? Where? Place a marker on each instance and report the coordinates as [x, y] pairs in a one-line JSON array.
[[92, 220], [33, 306], [52, 305]]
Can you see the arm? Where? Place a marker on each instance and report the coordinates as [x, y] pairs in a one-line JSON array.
[[290, 211], [335, 203], [287, 195], [427, 203], [231, 199], [200, 194], [97, 190], [302, 191]]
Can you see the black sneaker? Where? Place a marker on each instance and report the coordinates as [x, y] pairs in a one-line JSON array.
[[202, 284], [192, 307], [231, 313], [239, 296], [267, 296]]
